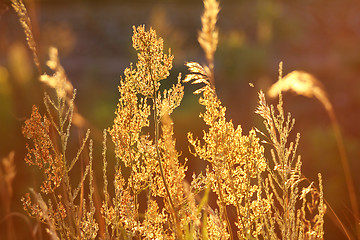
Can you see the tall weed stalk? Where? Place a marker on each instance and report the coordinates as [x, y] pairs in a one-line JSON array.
[[154, 201]]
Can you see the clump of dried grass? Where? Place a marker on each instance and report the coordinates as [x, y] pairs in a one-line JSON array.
[[266, 207], [305, 84], [268, 197], [7, 175], [25, 22], [66, 212], [301, 83]]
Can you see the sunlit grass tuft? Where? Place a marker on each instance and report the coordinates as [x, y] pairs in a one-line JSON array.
[[148, 197]]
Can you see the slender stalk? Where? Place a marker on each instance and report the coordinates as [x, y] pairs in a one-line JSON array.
[[233, 188], [212, 75], [334, 217], [67, 188], [156, 122], [157, 135], [248, 229], [224, 209], [345, 166]]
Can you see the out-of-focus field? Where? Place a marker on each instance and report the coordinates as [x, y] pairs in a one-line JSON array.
[[94, 42]]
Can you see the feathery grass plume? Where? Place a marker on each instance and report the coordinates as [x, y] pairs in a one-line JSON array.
[[305, 84], [88, 226], [236, 160], [58, 80], [7, 175], [312, 205], [154, 223], [45, 214], [134, 150], [105, 206], [282, 184], [120, 212], [43, 154], [153, 66], [188, 212], [66, 210], [266, 209], [209, 34], [51, 158], [301, 83], [130, 148], [149, 73], [25, 22], [154, 165]]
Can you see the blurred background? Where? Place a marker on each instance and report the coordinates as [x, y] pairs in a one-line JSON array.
[[94, 40]]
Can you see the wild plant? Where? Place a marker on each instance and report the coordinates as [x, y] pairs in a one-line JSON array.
[[152, 158], [154, 201], [236, 160], [305, 84], [63, 208], [284, 176], [25, 22], [265, 207], [7, 176]]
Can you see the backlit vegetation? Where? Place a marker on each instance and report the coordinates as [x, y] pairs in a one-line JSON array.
[[257, 174]]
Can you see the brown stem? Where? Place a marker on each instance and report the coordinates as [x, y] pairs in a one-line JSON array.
[[333, 216], [345, 165], [223, 209], [156, 124]]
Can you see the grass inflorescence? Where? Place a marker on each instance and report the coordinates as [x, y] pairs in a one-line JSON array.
[[148, 196]]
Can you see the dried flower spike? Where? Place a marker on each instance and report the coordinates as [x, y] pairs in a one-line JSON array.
[[58, 80]]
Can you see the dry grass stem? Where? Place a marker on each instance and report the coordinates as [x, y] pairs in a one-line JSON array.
[[209, 34], [147, 196], [25, 22], [305, 84], [7, 176]]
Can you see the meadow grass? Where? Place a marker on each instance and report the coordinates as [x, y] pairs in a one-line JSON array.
[[148, 196]]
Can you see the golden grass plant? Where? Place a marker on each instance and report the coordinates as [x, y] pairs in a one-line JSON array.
[[305, 84], [153, 201], [7, 175]]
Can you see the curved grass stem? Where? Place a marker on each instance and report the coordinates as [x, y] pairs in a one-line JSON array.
[[345, 166]]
